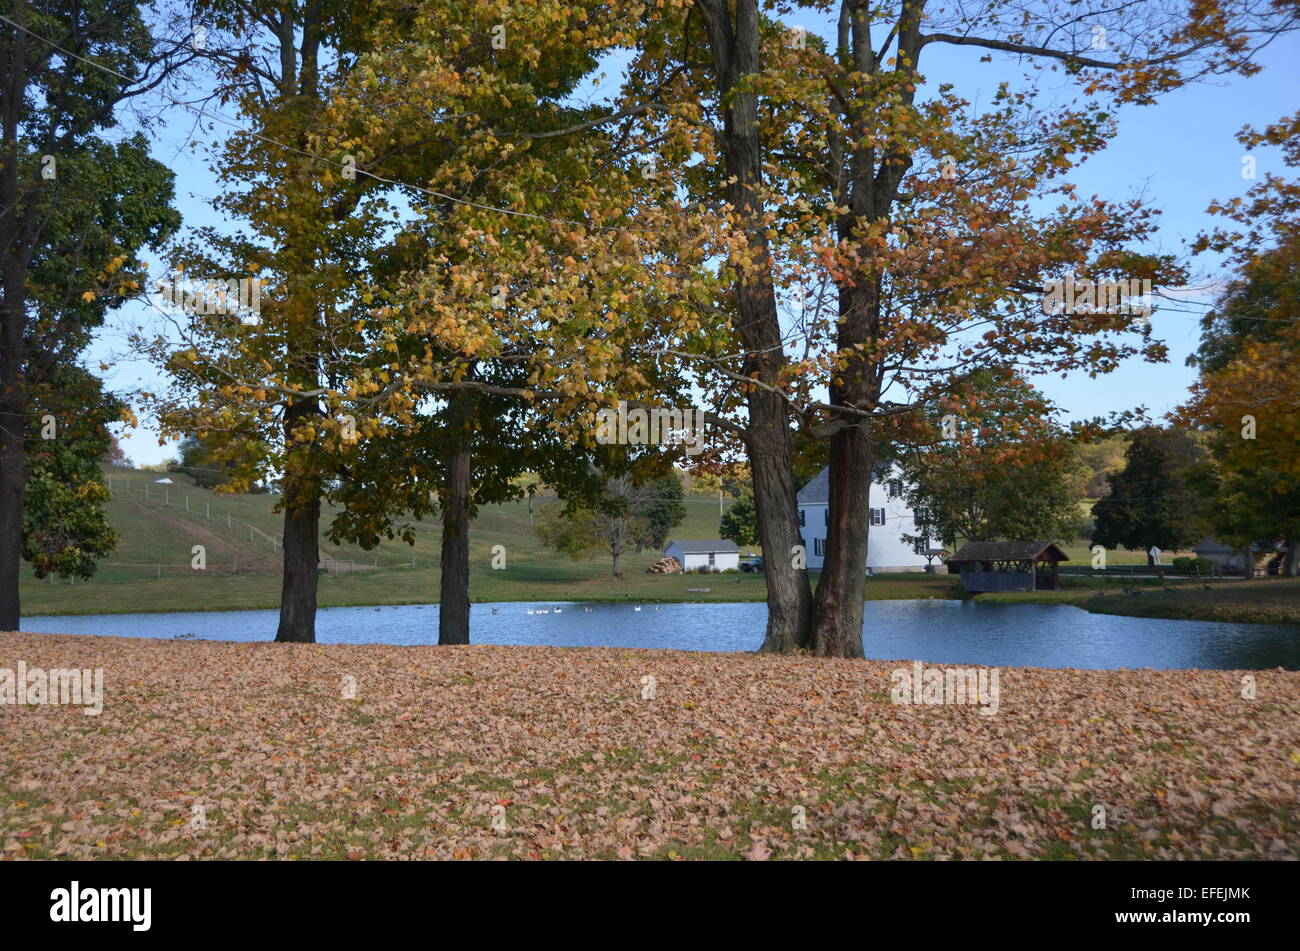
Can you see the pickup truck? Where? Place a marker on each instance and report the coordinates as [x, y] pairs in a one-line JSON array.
[[752, 563]]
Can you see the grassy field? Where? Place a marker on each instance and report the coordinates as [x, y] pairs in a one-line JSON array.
[[1270, 601], [150, 571], [158, 527], [212, 750]]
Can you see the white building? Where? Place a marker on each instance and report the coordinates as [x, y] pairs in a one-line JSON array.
[[716, 554], [890, 516]]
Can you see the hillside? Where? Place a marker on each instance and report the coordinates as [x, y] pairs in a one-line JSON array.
[[159, 524]]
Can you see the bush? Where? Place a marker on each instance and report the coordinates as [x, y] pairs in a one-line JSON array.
[[1192, 566]]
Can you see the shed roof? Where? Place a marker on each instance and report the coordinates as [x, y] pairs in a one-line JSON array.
[[1010, 551], [705, 546]]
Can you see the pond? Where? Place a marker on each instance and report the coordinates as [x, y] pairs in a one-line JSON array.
[[946, 632]]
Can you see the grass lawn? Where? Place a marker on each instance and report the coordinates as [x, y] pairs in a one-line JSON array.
[[1267, 601], [224, 750], [151, 568]]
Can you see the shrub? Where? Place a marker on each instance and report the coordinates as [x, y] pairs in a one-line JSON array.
[[1191, 566]]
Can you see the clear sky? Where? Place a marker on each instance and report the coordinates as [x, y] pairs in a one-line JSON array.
[[1180, 154]]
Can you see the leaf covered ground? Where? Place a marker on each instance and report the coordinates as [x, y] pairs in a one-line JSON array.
[[227, 750]]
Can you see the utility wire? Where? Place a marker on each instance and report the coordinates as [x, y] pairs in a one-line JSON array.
[[328, 161]]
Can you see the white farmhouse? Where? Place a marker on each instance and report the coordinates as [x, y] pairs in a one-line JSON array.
[[890, 516], [716, 554]]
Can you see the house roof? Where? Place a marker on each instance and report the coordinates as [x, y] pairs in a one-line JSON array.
[[1211, 545], [1009, 551], [704, 547], [818, 489]]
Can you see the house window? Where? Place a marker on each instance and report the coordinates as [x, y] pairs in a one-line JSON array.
[[802, 515], [877, 516], [712, 559], [819, 546]]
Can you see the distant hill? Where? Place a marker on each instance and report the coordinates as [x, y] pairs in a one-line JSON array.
[[159, 524]]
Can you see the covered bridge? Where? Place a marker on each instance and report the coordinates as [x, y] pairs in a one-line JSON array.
[[1008, 566]]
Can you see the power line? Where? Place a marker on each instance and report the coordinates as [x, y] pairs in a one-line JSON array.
[[328, 161]]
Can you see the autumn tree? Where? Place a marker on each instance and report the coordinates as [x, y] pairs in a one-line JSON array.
[[115, 455], [259, 328], [540, 261], [1245, 399], [917, 230]]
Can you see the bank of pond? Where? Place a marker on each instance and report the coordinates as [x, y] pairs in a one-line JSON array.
[[936, 631]]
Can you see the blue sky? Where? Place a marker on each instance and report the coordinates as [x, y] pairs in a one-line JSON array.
[[1180, 154]]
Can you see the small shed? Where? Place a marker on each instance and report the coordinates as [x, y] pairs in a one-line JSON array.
[[715, 554], [1225, 557], [1008, 566]]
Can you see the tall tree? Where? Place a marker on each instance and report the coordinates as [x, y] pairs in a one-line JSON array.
[[1150, 503], [251, 384], [732, 35], [74, 209], [1248, 389], [513, 279], [1010, 472], [926, 215], [629, 511]]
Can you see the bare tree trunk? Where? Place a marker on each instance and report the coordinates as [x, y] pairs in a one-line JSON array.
[[837, 630], [13, 317], [616, 546], [453, 611], [302, 487], [13, 462], [789, 596], [868, 193], [301, 553], [1291, 567], [735, 49]]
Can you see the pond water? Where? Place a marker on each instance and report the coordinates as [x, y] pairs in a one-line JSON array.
[[947, 632]]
